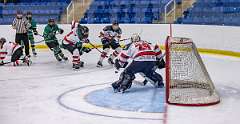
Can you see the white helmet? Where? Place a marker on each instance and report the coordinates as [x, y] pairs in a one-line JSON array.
[[135, 38]]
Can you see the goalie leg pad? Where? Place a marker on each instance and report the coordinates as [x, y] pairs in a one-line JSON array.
[[124, 82], [160, 64], [155, 79]]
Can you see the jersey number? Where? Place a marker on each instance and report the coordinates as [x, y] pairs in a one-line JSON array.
[[143, 46]]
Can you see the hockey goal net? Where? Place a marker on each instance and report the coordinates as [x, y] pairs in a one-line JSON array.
[[187, 80]]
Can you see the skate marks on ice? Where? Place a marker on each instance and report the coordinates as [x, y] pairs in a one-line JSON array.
[[96, 100], [60, 71], [228, 92]]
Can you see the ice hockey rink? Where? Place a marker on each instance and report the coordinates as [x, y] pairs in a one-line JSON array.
[[49, 92]]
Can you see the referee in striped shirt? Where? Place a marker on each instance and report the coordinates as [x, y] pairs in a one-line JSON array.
[[21, 25]]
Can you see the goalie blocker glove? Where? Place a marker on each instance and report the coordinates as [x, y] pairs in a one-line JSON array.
[[160, 63]]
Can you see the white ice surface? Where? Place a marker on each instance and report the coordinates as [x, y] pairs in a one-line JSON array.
[[28, 95]]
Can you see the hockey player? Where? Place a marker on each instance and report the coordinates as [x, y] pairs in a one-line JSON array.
[[51, 40], [110, 38], [13, 51], [32, 30], [144, 57], [73, 42]]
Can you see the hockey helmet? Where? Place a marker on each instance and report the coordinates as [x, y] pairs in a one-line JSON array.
[[115, 25], [51, 20], [2, 40], [29, 15], [135, 38], [19, 14], [85, 31]]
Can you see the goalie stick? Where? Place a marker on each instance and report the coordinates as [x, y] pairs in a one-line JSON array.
[[17, 60]]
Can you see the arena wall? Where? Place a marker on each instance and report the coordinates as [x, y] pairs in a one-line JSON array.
[[209, 39]]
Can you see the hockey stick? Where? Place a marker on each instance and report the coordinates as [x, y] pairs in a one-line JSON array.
[[124, 39], [39, 35], [94, 47], [11, 62], [44, 40]]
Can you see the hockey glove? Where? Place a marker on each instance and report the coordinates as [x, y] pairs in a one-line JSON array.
[[160, 63], [86, 50], [35, 32], [105, 42], [86, 40], [61, 31], [79, 45], [1, 63], [118, 64]]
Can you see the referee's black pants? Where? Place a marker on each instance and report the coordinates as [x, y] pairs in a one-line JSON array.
[[24, 38]]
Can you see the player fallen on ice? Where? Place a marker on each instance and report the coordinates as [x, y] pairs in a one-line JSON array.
[[74, 41], [51, 40], [144, 57], [12, 53], [32, 30], [110, 39]]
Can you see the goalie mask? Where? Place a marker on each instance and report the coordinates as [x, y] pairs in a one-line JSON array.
[[135, 38]]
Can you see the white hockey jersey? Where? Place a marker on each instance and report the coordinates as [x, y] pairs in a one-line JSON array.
[[141, 51], [8, 49]]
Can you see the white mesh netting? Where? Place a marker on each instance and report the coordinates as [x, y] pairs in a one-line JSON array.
[[189, 81]]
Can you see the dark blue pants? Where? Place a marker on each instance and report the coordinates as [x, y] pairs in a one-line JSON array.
[[107, 44], [145, 67]]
